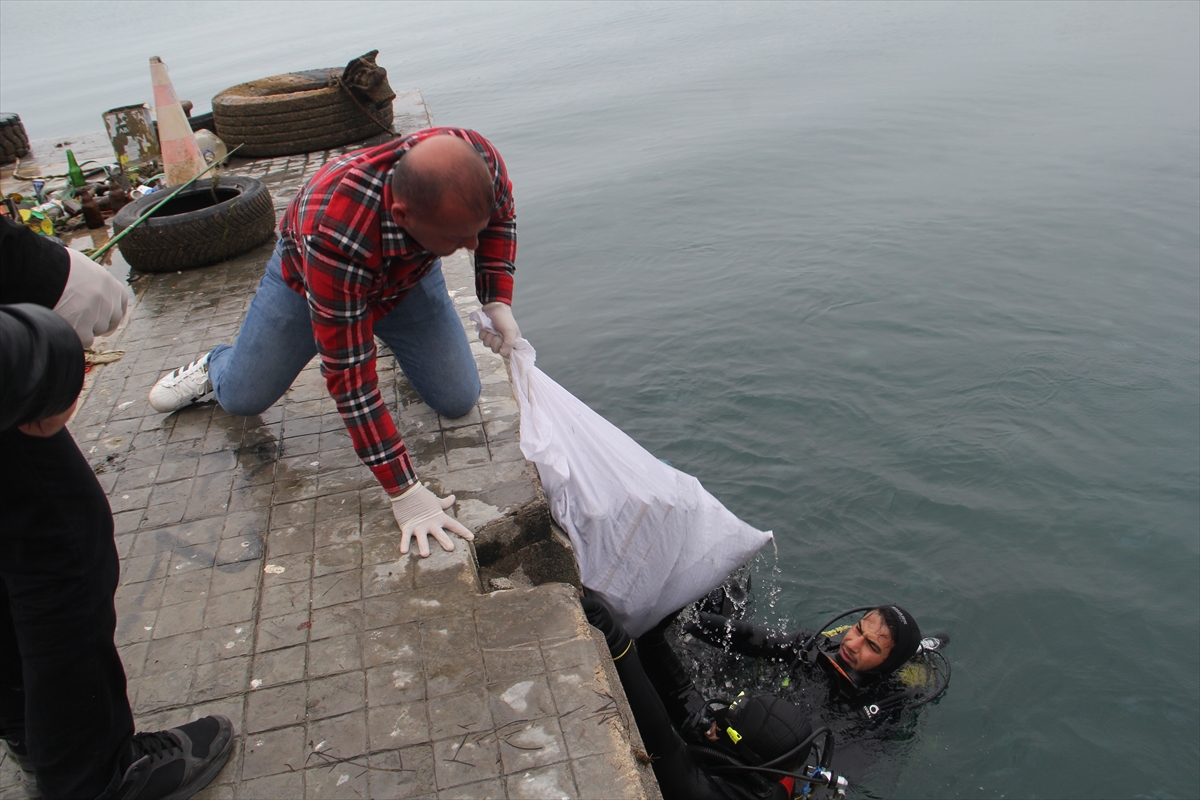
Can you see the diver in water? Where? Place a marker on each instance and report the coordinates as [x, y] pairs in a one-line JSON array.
[[753, 748], [759, 745], [860, 660]]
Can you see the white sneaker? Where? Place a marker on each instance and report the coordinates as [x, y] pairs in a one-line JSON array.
[[182, 387]]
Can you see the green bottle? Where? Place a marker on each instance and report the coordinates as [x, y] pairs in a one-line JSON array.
[[74, 172]]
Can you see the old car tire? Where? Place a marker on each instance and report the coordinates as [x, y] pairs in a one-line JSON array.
[[297, 112], [14, 142], [191, 230], [247, 127], [269, 135]]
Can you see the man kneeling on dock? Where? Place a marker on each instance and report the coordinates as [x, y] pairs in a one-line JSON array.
[[358, 257]]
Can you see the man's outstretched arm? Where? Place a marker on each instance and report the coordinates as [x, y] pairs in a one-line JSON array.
[[745, 638], [34, 269], [338, 299]]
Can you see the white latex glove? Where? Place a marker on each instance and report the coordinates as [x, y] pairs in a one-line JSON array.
[[420, 513], [506, 334], [93, 301]]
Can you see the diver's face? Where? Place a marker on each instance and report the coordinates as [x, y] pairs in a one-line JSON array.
[[867, 644]]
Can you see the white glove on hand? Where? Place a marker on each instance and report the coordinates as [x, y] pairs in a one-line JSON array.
[[420, 513], [93, 301], [506, 334]]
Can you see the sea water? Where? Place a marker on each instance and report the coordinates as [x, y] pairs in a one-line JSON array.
[[917, 286]]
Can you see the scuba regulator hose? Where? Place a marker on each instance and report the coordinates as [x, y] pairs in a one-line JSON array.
[[808, 643], [875, 709], [821, 773]]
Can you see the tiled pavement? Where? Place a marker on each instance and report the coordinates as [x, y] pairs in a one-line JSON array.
[[261, 576]]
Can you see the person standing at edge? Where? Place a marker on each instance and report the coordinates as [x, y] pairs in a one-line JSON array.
[[358, 257]]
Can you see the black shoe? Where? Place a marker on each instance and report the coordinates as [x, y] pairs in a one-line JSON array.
[[177, 763], [18, 754]]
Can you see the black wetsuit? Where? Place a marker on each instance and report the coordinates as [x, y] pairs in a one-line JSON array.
[[662, 696], [712, 651], [665, 699], [845, 684]]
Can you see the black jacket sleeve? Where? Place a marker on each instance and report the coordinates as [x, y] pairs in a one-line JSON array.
[[746, 638], [33, 269], [41, 364]]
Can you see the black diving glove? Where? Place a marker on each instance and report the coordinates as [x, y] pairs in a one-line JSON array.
[[599, 617]]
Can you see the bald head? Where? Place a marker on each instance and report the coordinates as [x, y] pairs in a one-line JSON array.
[[444, 174]]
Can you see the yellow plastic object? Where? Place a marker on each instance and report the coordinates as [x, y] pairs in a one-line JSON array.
[[37, 221]]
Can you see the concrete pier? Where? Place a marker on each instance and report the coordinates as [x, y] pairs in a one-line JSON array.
[[261, 576]]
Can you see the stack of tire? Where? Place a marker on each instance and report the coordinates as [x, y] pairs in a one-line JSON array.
[[14, 143], [297, 112]]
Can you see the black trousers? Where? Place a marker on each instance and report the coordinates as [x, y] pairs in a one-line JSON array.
[[62, 684]]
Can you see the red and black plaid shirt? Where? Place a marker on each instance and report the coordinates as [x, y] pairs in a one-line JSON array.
[[343, 251]]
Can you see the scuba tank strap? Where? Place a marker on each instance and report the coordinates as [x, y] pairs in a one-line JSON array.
[[873, 710]]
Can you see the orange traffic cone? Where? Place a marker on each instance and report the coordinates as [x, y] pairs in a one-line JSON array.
[[182, 160]]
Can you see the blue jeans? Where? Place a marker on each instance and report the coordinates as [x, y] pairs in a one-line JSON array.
[[276, 342]]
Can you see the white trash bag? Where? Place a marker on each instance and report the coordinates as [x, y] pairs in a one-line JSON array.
[[649, 539]]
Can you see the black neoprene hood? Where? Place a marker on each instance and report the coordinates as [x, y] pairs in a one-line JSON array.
[[906, 638]]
